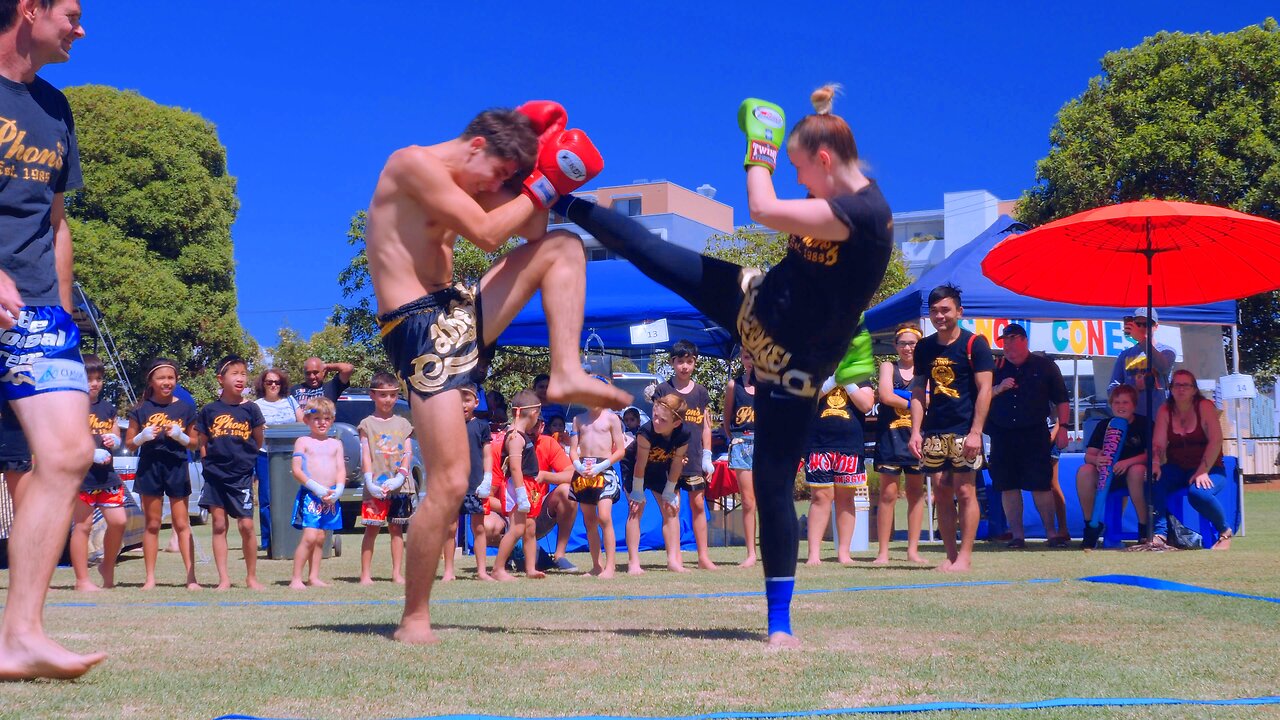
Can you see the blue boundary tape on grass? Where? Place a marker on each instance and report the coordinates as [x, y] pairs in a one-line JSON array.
[[873, 710], [556, 599], [1149, 583]]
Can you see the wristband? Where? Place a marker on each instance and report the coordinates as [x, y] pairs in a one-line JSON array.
[[580, 467], [486, 486], [393, 483], [637, 496], [669, 493], [101, 456], [316, 488], [904, 394], [708, 463]]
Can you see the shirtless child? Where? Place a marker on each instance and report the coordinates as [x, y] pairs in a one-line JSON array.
[[318, 466], [440, 336], [596, 444]]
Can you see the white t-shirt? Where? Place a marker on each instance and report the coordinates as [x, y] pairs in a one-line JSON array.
[[279, 412]]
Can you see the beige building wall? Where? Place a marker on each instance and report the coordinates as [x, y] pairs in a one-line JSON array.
[[663, 197]]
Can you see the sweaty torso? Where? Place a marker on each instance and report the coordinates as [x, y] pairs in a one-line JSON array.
[[410, 254], [595, 437]]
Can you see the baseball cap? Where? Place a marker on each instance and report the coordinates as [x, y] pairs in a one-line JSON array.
[[1013, 329], [1142, 313]]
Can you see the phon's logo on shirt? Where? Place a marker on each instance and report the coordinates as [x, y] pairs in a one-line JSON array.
[[13, 143]]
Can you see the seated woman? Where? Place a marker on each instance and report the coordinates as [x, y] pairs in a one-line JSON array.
[[1188, 445], [1130, 469]]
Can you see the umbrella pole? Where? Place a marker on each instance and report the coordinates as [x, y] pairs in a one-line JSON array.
[[1150, 383]]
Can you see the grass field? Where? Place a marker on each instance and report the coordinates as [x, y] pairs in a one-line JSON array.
[[176, 654]]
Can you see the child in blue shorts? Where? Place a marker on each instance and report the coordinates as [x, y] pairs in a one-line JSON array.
[[319, 467]]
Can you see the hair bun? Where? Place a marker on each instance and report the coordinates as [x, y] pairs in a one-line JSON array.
[[822, 98]]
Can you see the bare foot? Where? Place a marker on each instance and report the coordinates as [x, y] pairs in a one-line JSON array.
[[606, 573], [813, 561], [485, 576], [635, 570], [881, 560], [915, 558], [502, 575], [36, 656], [535, 575], [844, 560], [108, 576], [86, 586], [150, 584], [706, 564], [224, 585], [595, 571], [253, 584], [1224, 543], [749, 562], [317, 582], [944, 567], [582, 389], [366, 581], [956, 567], [416, 634], [192, 585], [297, 585], [447, 577], [674, 567], [397, 579], [783, 641]]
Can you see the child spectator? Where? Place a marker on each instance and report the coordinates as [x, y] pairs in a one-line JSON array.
[[595, 445], [520, 461], [653, 463], [318, 466], [475, 503], [160, 428], [230, 432], [836, 467], [386, 457], [698, 465], [101, 489]]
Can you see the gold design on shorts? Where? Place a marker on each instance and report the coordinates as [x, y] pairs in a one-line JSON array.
[[581, 482], [452, 331], [943, 377], [772, 361]]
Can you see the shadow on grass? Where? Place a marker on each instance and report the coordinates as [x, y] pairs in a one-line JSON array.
[[386, 629]]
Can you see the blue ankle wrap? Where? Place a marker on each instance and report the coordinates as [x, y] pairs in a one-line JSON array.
[[778, 593]]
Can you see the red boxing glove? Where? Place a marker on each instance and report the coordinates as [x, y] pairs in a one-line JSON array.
[[566, 162], [548, 116]]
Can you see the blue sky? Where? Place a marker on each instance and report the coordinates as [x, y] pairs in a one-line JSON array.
[[311, 97]]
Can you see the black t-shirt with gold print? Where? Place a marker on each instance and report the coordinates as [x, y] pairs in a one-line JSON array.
[[949, 371], [695, 413]]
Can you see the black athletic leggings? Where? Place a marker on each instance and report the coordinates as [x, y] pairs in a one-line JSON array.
[[782, 419]]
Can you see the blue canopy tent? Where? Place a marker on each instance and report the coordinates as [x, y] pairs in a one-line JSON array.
[[619, 296], [983, 298]]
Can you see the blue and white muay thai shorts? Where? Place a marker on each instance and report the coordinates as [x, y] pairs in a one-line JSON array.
[[39, 354]]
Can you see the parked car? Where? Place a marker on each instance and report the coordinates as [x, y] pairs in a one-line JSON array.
[[634, 383]]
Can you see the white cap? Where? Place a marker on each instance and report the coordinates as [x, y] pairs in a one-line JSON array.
[[1142, 312]]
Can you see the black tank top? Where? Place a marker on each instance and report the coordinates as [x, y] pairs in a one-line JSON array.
[[528, 456], [744, 409]]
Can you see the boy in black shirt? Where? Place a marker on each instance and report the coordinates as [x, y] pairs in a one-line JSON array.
[[102, 489], [230, 432], [698, 466], [954, 367]]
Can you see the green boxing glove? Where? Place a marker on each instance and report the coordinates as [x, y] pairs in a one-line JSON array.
[[765, 125], [858, 363]]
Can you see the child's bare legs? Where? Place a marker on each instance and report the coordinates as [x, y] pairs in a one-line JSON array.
[[592, 526], [218, 518], [671, 536], [915, 515], [366, 553], [317, 554], [699, 510], [302, 555], [82, 519], [450, 549], [746, 486], [249, 548], [844, 522], [819, 516], [116, 518], [181, 523], [604, 516], [396, 530], [508, 545], [633, 539], [531, 552], [153, 512], [481, 547], [884, 514]]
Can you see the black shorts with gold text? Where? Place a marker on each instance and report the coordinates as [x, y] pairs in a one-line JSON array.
[[435, 343]]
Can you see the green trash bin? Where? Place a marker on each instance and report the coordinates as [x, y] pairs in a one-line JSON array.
[[284, 536]]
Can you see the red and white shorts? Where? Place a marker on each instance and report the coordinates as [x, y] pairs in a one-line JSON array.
[[828, 468]]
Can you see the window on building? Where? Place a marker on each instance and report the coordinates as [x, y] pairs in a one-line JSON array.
[[627, 206], [594, 254]]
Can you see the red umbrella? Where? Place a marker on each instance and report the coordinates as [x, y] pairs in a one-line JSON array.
[[1152, 252]]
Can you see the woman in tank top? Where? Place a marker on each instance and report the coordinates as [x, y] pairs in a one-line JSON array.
[[740, 426], [893, 458], [1188, 442]]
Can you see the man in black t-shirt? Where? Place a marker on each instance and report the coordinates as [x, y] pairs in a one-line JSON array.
[[953, 367], [1026, 388], [314, 385], [44, 392]]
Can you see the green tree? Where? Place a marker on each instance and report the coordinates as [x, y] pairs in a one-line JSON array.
[[1179, 117], [152, 232], [332, 343]]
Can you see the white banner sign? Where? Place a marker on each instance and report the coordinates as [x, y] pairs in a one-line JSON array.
[[650, 333], [1084, 338]]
